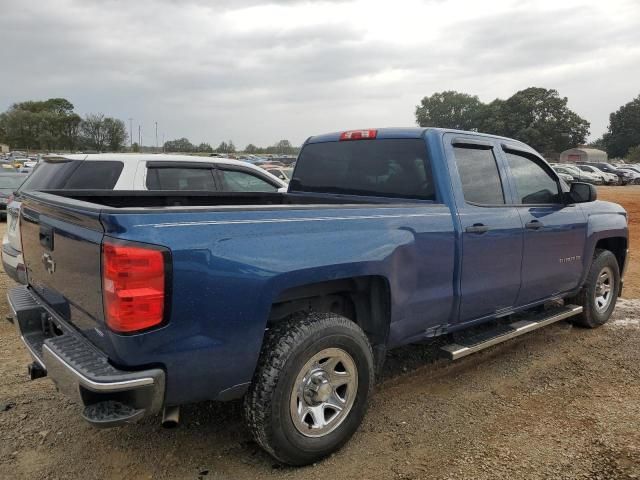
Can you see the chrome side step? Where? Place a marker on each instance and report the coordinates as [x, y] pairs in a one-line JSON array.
[[507, 332]]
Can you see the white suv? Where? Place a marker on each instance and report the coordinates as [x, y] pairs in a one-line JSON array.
[[123, 171]]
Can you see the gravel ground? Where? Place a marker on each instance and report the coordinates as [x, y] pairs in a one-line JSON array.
[[559, 403]]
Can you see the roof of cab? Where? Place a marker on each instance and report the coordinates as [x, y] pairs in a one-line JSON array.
[[403, 132], [414, 132]]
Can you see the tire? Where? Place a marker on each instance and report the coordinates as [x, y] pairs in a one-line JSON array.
[[274, 411], [596, 313]]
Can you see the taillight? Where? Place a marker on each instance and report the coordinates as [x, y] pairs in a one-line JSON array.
[[359, 135], [133, 286]]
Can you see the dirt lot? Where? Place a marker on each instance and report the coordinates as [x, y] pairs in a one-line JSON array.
[[560, 403]]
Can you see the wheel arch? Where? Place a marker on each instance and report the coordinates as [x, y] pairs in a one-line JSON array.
[[616, 245], [366, 300]]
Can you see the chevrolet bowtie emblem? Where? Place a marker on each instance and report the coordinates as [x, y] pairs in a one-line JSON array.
[[48, 262]]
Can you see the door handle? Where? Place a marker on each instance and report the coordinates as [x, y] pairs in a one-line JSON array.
[[534, 225], [477, 228]]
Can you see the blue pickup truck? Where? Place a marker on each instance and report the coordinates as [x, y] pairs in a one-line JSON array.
[[139, 302]]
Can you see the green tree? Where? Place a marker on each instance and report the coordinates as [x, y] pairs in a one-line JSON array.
[[204, 147], [225, 147], [179, 145], [538, 117], [284, 147], [449, 109], [48, 124], [94, 131], [251, 148], [624, 129], [115, 134], [633, 155]]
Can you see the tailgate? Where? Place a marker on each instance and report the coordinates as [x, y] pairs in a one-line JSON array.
[[61, 243]]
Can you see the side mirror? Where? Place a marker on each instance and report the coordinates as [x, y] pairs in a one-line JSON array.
[[582, 192]]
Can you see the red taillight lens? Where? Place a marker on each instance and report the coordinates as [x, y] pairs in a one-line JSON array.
[[133, 287], [359, 135]]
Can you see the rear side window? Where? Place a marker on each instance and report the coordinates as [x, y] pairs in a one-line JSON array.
[[533, 182], [237, 181], [99, 175], [74, 174], [174, 178], [479, 174], [386, 167]]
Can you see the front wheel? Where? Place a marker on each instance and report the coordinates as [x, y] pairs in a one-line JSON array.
[[600, 291], [310, 390]]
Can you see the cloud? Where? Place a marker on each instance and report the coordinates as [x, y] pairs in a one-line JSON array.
[[260, 71]]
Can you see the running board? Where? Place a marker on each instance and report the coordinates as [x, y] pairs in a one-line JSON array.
[[507, 332]]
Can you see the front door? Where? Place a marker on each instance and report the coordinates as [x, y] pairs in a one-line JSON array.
[[491, 230], [554, 233]]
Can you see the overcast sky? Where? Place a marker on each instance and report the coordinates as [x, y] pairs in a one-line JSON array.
[[258, 72]]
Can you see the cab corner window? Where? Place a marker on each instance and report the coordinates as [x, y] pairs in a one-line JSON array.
[[534, 184], [479, 175]]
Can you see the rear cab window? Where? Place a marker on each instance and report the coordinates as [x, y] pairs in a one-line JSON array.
[[383, 167]]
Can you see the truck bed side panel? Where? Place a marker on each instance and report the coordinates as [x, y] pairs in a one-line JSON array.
[[228, 267]]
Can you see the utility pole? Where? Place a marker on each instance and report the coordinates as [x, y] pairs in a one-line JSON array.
[[139, 136], [163, 142], [156, 137], [130, 132]]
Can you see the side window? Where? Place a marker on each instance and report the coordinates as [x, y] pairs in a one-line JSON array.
[[179, 178], [479, 174], [237, 181], [533, 183], [95, 175]]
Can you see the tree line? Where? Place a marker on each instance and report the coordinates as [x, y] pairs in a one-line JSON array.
[[53, 125], [283, 147], [536, 116]]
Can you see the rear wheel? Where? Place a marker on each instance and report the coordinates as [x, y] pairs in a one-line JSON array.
[[600, 291], [310, 390]]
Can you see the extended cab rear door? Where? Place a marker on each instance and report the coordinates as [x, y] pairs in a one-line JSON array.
[[491, 229]]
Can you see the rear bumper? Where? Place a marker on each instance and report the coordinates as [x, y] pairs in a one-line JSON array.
[[13, 263], [79, 369]]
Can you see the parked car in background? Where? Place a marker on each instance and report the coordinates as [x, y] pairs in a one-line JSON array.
[[633, 175], [563, 174], [623, 178], [282, 172], [9, 183], [577, 174], [130, 172], [607, 178]]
